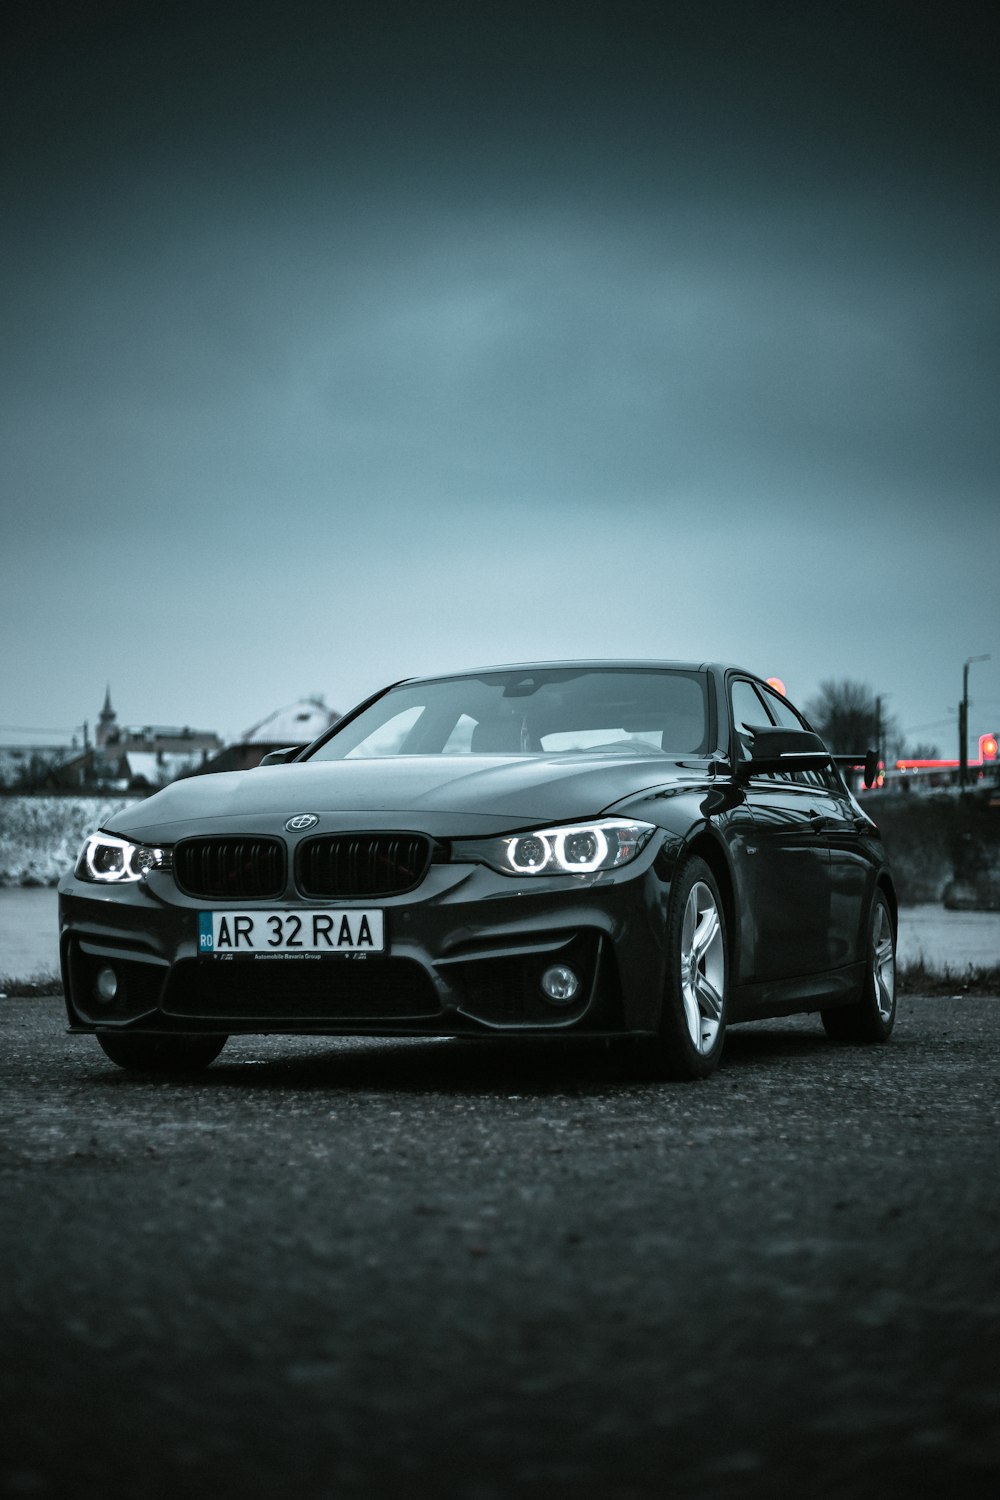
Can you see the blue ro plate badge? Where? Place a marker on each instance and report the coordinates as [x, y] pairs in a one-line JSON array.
[[290, 934]]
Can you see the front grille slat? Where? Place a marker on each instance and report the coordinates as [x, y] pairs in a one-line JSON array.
[[327, 866], [360, 865], [230, 869]]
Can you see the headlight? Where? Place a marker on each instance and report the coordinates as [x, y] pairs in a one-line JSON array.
[[578, 849], [108, 860]]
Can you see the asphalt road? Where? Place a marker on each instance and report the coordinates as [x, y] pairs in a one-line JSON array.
[[357, 1269]]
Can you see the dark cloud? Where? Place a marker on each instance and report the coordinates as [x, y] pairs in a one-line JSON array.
[[479, 288]]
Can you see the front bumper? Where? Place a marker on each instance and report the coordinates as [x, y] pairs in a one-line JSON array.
[[465, 954]]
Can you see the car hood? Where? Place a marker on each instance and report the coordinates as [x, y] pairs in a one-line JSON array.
[[446, 796]]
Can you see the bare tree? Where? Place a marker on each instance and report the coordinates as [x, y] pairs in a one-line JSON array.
[[920, 751], [846, 714]]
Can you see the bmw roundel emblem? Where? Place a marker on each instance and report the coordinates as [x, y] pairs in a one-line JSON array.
[[302, 821]]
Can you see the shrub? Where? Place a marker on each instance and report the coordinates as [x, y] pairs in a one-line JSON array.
[[40, 837]]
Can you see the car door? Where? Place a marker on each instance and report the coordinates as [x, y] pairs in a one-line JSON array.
[[789, 864], [842, 828], [852, 879]]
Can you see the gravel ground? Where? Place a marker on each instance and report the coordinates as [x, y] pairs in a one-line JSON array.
[[340, 1269]]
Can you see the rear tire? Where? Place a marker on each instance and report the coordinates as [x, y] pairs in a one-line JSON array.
[[693, 1015], [162, 1054], [872, 1017]]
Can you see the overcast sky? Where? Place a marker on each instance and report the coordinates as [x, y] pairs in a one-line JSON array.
[[341, 343]]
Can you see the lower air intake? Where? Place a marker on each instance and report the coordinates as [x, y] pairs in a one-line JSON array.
[[370, 992]]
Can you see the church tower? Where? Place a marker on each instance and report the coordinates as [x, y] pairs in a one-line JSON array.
[[107, 722]]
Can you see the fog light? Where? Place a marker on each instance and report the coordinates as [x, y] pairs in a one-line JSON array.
[[106, 985], [560, 984]]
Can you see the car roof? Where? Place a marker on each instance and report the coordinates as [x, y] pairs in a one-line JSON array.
[[714, 668], [585, 664]]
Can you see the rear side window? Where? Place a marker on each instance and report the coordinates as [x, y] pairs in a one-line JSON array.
[[749, 714], [781, 711]]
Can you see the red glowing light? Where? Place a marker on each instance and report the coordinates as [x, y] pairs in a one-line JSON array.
[[987, 747], [777, 684]]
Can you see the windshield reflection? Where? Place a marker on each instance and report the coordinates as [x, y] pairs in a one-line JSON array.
[[532, 711]]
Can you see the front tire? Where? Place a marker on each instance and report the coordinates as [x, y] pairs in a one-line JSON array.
[[162, 1054], [871, 1018], [693, 1016]]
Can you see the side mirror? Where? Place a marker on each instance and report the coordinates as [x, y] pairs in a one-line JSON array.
[[281, 757], [783, 750]]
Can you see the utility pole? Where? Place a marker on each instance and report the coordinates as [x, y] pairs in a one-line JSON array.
[[963, 723]]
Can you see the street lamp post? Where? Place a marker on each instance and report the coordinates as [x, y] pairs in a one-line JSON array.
[[963, 723], [879, 728]]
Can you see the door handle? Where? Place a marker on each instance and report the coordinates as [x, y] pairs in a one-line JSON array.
[[821, 823]]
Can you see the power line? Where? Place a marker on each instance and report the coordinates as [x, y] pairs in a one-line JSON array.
[[35, 729], [934, 724]]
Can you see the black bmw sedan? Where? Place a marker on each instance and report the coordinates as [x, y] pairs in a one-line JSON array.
[[647, 849]]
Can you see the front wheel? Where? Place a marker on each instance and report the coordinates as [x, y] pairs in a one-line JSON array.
[[693, 1017], [161, 1054], [871, 1018]]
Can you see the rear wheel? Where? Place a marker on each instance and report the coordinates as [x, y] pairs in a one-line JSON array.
[[693, 1017], [162, 1054], [871, 1018]]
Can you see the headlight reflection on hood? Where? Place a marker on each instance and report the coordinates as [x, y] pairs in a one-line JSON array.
[[578, 849], [106, 859]]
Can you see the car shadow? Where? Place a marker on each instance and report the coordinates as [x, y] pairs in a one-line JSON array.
[[492, 1066]]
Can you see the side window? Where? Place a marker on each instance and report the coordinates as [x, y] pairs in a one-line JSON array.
[[749, 713]]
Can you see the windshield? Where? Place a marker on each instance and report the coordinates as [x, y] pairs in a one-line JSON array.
[[535, 711]]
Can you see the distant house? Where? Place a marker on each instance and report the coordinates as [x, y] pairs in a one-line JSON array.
[[132, 757], [142, 757], [297, 724], [32, 765]]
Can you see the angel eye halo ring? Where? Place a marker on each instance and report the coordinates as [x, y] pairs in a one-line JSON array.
[[576, 849], [106, 859]]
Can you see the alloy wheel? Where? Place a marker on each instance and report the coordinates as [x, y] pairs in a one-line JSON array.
[[883, 960], [703, 967]]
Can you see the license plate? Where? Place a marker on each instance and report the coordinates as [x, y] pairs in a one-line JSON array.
[[289, 934]]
